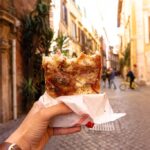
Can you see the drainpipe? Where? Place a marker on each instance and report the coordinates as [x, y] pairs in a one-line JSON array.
[[14, 79]]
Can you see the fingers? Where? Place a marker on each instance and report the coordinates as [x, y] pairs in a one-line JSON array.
[[55, 110], [64, 131]]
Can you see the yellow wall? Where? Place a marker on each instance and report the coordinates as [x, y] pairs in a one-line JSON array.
[[146, 2], [133, 35], [146, 6]]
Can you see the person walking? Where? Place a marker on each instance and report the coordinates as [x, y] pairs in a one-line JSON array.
[[131, 76], [108, 77], [112, 78], [104, 77]]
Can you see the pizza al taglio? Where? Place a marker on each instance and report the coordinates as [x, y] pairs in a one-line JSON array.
[[72, 76]]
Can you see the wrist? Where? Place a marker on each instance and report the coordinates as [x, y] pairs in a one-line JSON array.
[[9, 146], [17, 139]]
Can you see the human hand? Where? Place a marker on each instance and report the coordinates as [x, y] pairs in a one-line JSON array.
[[34, 131]]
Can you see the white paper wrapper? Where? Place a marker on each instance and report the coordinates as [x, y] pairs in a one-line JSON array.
[[89, 107]]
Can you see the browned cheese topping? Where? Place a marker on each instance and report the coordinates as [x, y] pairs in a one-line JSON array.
[[72, 76]]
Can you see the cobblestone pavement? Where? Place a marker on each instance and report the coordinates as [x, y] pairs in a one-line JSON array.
[[131, 132], [7, 128]]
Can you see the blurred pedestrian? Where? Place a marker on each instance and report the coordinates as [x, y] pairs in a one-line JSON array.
[[108, 77], [112, 78], [104, 77], [131, 76]]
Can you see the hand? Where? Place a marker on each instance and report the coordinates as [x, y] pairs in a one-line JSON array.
[[34, 131]]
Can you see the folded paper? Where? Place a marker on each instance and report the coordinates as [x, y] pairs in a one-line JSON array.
[[87, 107]]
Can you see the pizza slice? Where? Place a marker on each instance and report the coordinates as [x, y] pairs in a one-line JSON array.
[[72, 76]]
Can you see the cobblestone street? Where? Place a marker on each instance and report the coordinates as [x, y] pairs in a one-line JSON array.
[[52, 49], [131, 132]]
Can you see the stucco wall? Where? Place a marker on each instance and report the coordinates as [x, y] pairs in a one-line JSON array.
[[18, 7], [24, 6]]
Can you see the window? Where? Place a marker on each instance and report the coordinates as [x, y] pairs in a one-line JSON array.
[[64, 14], [74, 30], [149, 29], [79, 36], [82, 41]]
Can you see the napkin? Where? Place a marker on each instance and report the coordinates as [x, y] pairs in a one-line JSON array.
[[86, 108]]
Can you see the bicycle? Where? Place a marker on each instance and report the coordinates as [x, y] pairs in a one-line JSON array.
[[126, 85]]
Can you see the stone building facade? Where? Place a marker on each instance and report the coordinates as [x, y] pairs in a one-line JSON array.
[[134, 19], [11, 63], [69, 20]]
